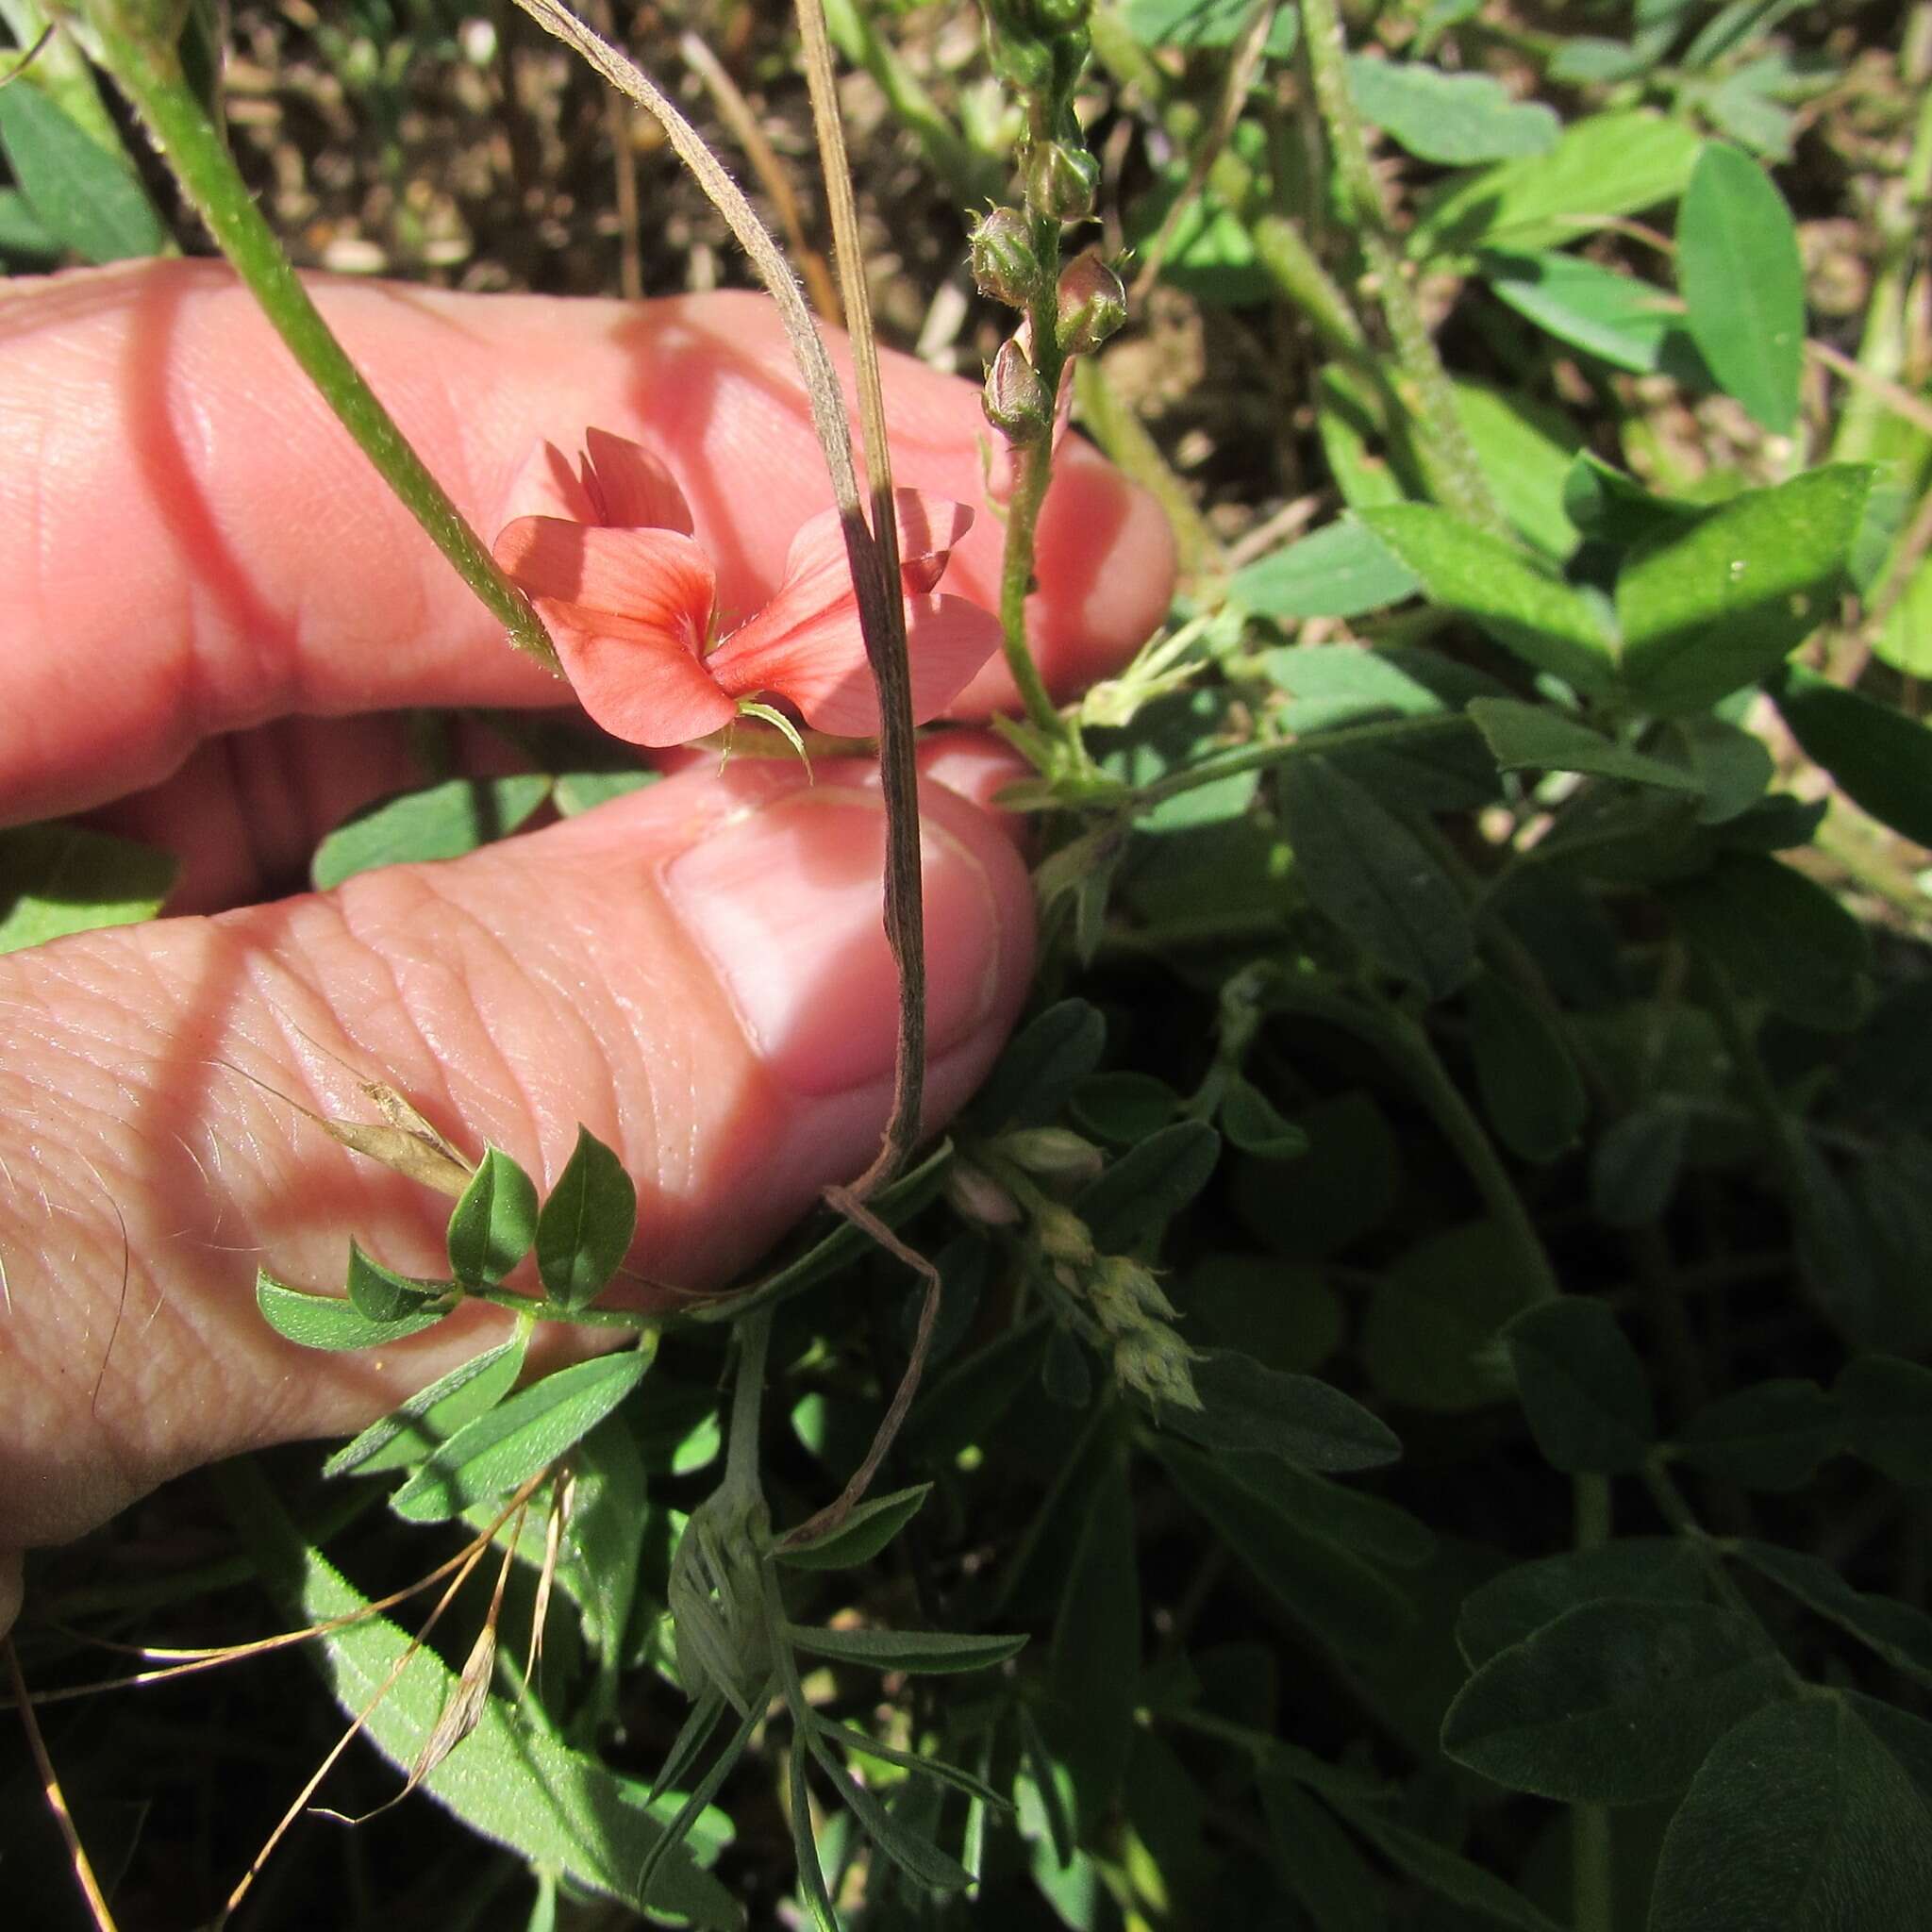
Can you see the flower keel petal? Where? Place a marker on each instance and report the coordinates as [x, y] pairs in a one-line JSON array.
[[646, 692]]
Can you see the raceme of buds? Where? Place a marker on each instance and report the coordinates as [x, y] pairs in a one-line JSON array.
[[1090, 305], [1015, 400], [1061, 179], [1002, 258], [1057, 1152]]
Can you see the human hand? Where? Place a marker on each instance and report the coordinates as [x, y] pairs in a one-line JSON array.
[[215, 612]]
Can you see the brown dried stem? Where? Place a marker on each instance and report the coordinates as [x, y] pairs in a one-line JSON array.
[[50, 1787], [875, 569]]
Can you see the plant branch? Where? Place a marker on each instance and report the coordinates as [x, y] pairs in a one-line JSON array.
[[1454, 477]]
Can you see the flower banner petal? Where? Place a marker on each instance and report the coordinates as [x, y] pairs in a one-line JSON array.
[[629, 487]]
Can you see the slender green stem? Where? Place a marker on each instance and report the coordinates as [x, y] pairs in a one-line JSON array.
[[1283, 252], [150, 73], [1407, 1047], [1592, 1851], [1274, 751], [747, 1403], [1032, 469], [578, 1318], [1032, 472], [1454, 477]]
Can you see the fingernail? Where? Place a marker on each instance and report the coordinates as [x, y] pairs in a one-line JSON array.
[[788, 903]]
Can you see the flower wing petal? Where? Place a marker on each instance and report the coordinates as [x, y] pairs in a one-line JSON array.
[[812, 653], [929, 526], [630, 487]]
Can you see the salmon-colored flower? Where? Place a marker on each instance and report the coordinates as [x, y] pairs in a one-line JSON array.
[[631, 602]]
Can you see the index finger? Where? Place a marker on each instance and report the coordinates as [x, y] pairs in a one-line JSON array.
[[191, 544]]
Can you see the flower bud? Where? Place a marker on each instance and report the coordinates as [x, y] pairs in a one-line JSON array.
[[977, 1196], [1057, 1152], [1091, 304], [714, 1596], [1015, 399], [1063, 1236], [1001, 256], [1060, 179], [1126, 1296], [1154, 1360]]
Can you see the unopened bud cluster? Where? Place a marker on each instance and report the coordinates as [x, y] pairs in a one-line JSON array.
[[1137, 1319], [1039, 48], [1090, 305], [995, 1185]]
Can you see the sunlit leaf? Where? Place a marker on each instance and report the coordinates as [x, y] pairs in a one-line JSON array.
[[510, 1443], [1743, 283], [60, 877], [587, 1223], [442, 820]]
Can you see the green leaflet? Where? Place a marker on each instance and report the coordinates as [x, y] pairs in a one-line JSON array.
[[495, 1221], [507, 1446], [1454, 118], [319, 1321], [1744, 284], [1582, 1386], [1363, 867], [1799, 1820], [87, 197], [1725, 601], [1495, 584], [1613, 1702], [587, 1225], [1603, 166], [437, 821], [60, 878]]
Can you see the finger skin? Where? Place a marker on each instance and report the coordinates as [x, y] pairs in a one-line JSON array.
[[697, 972], [191, 544]]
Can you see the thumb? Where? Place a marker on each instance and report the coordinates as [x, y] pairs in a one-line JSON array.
[[698, 973]]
